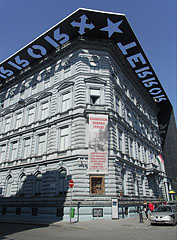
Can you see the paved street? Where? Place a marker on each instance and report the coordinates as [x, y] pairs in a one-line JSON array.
[[123, 229]]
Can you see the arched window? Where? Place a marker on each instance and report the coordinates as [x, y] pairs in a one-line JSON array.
[[136, 184], [143, 185], [62, 181], [38, 181], [124, 181], [21, 186], [8, 186]]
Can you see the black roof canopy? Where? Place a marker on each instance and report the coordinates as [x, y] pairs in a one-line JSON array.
[[101, 25]]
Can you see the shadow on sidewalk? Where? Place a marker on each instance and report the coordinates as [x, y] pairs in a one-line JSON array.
[[38, 202]]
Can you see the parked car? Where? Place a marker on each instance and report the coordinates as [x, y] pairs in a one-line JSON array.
[[164, 214]]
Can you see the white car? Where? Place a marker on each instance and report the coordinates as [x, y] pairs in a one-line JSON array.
[[164, 214]]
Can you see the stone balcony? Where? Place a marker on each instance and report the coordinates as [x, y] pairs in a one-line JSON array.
[[152, 169]]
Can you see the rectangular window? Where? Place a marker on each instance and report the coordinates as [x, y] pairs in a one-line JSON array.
[[66, 101], [7, 124], [41, 143], [44, 110], [2, 153], [11, 99], [136, 122], [143, 129], [143, 154], [33, 88], [129, 117], [136, 185], [27, 149], [64, 138], [118, 105], [13, 151], [30, 118], [47, 83], [94, 66], [1, 103], [124, 183], [22, 93], [97, 185], [146, 155], [131, 147], [120, 139], [18, 120], [95, 96], [139, 152], [67, 71]]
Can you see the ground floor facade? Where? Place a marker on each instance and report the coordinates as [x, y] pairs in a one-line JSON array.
[[43, 189]]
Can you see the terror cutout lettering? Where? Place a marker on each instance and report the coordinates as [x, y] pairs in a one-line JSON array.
[[83, 22]]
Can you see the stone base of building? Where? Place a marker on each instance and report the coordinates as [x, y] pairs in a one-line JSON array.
[[77, 211]]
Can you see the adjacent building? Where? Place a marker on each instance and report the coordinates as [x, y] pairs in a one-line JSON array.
[[82, 102]]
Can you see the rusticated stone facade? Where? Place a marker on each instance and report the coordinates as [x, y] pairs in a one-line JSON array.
[[45, 117]]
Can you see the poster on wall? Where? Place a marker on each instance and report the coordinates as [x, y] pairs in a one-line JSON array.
[[98, 144]]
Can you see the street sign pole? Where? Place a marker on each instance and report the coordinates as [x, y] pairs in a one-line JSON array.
[[71, 185], [71, 190]]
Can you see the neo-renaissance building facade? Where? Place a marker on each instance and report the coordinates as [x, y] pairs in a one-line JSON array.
[[73, 106]]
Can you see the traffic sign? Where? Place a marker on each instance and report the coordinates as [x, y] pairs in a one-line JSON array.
[[71, 183]]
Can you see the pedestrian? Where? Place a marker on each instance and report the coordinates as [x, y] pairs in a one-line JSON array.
[[145, 207], [139, 210], [151, 207]]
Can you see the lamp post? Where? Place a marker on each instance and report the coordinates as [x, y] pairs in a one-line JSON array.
[[139, 207]]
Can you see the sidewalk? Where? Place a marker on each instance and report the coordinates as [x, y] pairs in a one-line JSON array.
[[132, 222]]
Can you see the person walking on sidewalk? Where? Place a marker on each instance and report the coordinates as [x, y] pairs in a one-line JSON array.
[[151, 207], [145, 207]]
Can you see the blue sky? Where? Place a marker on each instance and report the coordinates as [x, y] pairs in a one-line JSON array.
[[153, 22]]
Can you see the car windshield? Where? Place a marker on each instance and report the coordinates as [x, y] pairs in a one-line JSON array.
[[164, 209]]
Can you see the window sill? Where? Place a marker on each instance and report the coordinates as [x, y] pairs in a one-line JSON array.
[[97, 195]]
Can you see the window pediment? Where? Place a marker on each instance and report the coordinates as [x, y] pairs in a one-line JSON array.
[[19, 105], [95, 80], [44, 95], [66, 62], [7, 111], [65, 85], [31, 100]]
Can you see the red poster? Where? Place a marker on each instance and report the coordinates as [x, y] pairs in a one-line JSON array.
[[98, 144]]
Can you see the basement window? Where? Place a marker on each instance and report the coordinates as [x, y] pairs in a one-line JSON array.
[[34, 212]]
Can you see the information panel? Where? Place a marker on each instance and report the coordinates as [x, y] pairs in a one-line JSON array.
[[115, 208]]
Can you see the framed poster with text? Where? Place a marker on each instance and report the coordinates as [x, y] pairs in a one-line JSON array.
[[98, 144]]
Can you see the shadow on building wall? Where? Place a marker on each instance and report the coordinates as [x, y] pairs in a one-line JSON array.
[[40, 196], [155, 187]]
